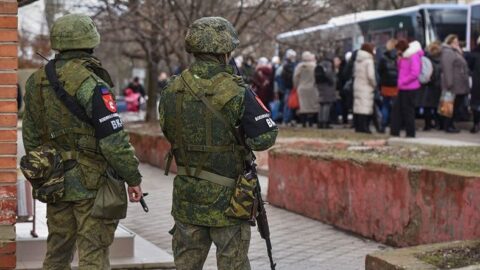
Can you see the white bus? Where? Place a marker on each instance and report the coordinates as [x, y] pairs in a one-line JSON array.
[[425, 23]]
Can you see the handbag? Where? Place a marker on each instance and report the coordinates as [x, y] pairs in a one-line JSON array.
[[445, 106], [111, 201], [389, 91], [293, 102]]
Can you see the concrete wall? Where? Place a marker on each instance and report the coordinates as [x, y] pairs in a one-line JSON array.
[[394, 205], [8, 131], [151, 149]]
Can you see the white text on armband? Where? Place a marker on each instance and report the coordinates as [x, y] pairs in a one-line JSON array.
[[263, 116], [103, 119]]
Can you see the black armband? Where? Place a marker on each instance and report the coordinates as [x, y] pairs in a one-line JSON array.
[[256, 117], [106, 120]]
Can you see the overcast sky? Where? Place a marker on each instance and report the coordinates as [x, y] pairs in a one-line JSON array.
[[32, 19]]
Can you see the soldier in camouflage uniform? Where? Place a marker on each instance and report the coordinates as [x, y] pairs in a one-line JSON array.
[[208, 157], [95, 148]]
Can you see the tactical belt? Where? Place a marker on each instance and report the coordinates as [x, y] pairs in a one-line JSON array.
[[208, 176]]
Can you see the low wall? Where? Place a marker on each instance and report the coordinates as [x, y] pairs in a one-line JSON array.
[[151, 149], [395, 205]]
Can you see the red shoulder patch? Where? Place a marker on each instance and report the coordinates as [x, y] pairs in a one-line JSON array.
[[109, 101]]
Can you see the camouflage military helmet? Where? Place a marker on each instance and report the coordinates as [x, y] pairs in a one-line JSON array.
[[74, 31], [211, 35]]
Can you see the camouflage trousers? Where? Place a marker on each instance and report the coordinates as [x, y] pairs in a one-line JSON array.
[[70, 226], [191, 245]]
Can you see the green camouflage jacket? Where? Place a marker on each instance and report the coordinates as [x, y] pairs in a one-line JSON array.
[[203, 143], [100, 145]]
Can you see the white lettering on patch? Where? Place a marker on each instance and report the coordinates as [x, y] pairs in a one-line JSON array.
[[263, 116], [270, 122], [108, 117], [116, 124]]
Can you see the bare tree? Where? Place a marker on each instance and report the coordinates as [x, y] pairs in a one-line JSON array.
[[154, 30], [22, 3]]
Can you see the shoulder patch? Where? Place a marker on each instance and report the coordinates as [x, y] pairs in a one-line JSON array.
[[108, 99], [256, 118], [106, 120]]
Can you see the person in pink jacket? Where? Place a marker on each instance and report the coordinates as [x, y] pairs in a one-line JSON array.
[[409, 66]]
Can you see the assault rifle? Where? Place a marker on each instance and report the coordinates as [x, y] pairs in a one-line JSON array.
[[259, 215]]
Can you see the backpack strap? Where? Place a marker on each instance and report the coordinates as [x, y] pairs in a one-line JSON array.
[[199, 173], [215, 112], [69, 101]]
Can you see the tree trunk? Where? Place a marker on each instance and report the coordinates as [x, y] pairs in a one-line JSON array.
[[152, 69]]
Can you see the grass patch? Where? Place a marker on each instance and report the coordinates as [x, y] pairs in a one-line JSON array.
[[458, 160], [452, 258], [285, 132], [329, 134]]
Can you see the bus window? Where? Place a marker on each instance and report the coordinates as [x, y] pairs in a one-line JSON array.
[[420, 27], [445, 22], [474, 26]]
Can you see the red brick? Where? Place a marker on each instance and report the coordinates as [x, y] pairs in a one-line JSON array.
[[8, 63], [8, 78], [8, 22], [8, 120], [8, 262], [7, 163], [8, 35], [8, 91], [8, 176], [8, 248], [8, 135], [8, 148], [8, 106], [8, 7], [8, 206], [8, 50], [8, 192]]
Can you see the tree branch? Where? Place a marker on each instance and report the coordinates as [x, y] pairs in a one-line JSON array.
[[22, 3]]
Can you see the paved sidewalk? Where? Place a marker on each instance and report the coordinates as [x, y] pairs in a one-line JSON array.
[[298, 242]]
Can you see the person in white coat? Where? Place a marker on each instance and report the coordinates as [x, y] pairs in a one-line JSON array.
[[364, 88], [304, 81]]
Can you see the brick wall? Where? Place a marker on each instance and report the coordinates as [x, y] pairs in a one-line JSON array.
[[8, 131]]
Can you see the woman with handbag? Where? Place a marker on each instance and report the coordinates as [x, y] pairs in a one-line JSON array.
[[454, 77], [304, 83]]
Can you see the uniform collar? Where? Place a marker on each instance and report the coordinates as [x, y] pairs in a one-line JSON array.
[[66, 55], [207, 68]]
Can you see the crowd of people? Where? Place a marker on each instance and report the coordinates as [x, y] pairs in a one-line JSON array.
[[388, 87]]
